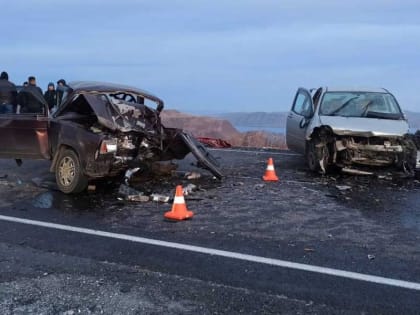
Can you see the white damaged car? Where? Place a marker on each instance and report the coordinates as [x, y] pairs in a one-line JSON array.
[[350, 129]]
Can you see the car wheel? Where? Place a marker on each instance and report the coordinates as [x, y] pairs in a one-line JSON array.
[[68, 173], [311, 157]]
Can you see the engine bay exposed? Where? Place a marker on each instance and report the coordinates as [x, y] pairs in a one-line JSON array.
[[331, 150]]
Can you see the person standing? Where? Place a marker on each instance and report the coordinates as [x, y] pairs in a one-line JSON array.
[[31, 98], [8, 94], [61, 84], [50, 95], [32, 82]]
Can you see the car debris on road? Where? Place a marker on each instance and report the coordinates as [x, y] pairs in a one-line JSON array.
[[192, 175], [189, 189], [343, 187], [160, 198]]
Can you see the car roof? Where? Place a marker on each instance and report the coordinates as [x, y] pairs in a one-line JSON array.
[[94, 86], [355, 89]]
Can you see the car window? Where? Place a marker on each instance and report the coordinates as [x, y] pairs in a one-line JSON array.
[[302, 104]]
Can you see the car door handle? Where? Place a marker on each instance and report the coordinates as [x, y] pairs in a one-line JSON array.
[[303, 123]]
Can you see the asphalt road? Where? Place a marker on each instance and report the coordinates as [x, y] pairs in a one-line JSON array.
[[369, 226]]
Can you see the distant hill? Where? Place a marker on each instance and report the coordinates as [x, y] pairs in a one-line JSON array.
[[278, 119]]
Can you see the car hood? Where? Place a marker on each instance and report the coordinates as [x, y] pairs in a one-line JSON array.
[[365, 127]]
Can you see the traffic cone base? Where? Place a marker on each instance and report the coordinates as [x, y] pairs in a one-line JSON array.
[[179, 217], [179, 208], [270, 173]]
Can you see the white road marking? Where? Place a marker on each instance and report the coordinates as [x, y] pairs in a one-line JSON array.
[[254, 151], [223, 253]]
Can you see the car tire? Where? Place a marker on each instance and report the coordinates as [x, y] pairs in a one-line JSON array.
[[68, 173], [311, 157]]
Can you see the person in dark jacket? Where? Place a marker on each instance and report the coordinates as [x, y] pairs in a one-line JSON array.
[[60, 91], [50, 95], [31, 99], [32, 82], [8, 94]]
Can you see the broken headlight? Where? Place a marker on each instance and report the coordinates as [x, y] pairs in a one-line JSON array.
[[108, 146]]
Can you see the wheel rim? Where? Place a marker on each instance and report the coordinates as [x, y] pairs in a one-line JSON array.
[[67, 171]]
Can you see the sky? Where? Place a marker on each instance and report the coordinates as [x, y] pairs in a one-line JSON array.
[[209, 56]]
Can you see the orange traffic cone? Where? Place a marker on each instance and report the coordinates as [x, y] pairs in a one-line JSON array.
[[179, 208], [270, 173]]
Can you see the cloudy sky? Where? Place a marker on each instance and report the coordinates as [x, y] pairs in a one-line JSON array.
[[217, 56]]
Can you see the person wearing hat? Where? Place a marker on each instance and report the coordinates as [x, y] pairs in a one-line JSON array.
[[50, 95], [8, 94], [61, 82]]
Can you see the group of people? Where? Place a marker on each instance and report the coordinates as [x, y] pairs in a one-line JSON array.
[[26, 99]]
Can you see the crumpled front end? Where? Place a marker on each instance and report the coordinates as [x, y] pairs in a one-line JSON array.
[[354, 151], [130, 150], [129, 133], [375, 151], [126, 133]]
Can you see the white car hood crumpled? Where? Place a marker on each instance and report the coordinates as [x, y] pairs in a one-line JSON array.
[[365, 127]]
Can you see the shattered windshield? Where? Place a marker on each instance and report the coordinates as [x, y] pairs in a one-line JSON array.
[[360, 104]]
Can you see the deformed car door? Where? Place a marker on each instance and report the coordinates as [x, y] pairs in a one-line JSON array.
[[177, 144], [298, 120], [25, 135], [203, 156]]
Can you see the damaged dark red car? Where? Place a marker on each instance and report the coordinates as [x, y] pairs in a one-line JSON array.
[[98, 131]]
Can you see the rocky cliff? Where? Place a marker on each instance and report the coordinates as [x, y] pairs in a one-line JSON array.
[[200, 126], [203, 126]]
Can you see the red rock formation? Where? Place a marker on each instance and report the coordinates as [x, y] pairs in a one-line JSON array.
[[201, 126]]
